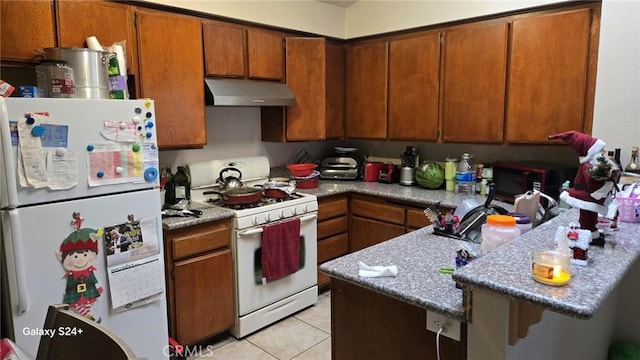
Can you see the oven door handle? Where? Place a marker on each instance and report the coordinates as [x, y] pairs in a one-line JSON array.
[[259, 230]]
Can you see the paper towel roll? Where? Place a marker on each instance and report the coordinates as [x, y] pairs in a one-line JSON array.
[[122, 62], [93, 43]]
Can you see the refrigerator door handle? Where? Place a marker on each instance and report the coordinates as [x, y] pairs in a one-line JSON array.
[[18, 260], [11, 194]]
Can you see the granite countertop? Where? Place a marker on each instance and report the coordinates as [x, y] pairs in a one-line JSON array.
[[209, 213], [396, 191], [327, 188], [418, 255], [506, 270]]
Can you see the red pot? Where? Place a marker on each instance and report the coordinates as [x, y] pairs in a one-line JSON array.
[[307, 183]]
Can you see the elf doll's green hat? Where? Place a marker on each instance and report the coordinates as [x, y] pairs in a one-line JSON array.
[[83, 239]]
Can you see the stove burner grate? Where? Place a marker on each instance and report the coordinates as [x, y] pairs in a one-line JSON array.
[[263, 202]]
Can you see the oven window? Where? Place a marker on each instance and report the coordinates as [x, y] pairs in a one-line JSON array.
[[257, 261]]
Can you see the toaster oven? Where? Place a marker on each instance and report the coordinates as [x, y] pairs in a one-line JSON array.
[[339, 168]]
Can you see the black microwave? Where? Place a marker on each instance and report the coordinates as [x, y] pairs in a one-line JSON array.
[[515, 178]]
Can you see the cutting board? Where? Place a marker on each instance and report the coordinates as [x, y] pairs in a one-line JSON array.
[[527, 204]]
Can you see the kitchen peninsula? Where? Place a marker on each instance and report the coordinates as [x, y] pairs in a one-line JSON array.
[[498, 306]]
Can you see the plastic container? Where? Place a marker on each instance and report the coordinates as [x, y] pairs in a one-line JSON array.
[[565, 187], [629, 209], [450, 167], [55, 79], [523, 222], [487, 179], [498, 230], [464, 207], [551, 267], [465, 178]]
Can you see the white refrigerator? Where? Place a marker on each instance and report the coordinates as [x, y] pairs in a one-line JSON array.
[[81, 219]]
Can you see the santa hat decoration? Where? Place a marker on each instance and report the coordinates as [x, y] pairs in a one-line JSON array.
[[83, 239], [585, 145]]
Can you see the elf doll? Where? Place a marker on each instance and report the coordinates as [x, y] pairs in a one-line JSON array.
[[595, 182], [77, 254]]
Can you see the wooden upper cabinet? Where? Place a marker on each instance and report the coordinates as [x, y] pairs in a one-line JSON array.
[[265, 55], [548, 75], [315, 74], [26, 27], [171, 73], [237, 52], [414, 65], [366, 99], [473, 84], [109, 22], [224, 50], [335, 90]]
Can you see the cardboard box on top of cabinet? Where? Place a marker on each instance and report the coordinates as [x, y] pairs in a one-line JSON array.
[[28, 91], [117, 87]]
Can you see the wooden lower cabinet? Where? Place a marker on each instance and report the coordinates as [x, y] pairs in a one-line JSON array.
[[204, 296], [333, 236], [416, 219], [366, 232], [199, 281], [360, 329], [374, 221]]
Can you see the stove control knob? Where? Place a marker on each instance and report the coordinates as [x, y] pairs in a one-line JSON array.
[[267, 217], [306, 208], [294, 211], [255, 221], [282, 214]]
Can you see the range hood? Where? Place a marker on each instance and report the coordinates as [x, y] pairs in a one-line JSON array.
[[235, 92]]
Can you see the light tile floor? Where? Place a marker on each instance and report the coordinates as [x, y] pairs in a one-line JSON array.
[[305, 335]]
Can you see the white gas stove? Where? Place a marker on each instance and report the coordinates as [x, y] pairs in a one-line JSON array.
[[260, 302]]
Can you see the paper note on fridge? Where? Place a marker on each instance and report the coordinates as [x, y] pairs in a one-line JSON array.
[[31, 163], [136, 270], [62, 169], [111, 162], [136, 281], [120, 131]]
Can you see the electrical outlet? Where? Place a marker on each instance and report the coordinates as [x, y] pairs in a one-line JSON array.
[[451, 326]]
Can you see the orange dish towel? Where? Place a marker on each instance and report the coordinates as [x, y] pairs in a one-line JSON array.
[[280, 249]]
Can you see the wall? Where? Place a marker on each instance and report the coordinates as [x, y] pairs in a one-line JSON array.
[[617, 105], [303, 15], [234, 132], [399, 15]]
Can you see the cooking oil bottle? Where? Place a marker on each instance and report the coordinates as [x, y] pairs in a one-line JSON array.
[[181, 184], [633, 166]]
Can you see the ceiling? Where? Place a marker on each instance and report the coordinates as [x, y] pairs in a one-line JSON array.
[[341, 3]]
